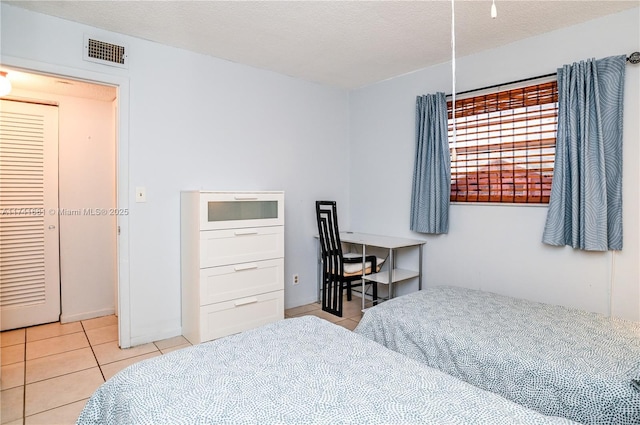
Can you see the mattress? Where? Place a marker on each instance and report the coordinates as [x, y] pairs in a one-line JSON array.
[[556, 360], [295, 371]]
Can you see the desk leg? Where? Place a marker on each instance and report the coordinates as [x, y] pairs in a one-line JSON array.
[[364, 256], [392, 265], [420, 270]]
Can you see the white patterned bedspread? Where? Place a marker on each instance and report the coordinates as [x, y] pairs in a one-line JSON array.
[[556, 360], [295, 371]]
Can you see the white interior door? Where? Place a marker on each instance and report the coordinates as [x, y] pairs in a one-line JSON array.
[[29, 237]]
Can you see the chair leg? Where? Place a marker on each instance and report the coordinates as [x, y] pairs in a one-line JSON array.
[[332, 296], [348, 291], [375, 293], [337, 298]]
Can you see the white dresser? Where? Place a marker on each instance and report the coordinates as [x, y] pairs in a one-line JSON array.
[[232, 262]]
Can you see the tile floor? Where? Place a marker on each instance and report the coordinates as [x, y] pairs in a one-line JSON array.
[[48, 372], [351, 313]]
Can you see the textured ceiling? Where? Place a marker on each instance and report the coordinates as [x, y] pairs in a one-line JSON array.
[[347, 44]]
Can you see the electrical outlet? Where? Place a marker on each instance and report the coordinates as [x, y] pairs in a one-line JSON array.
[[295, 279]]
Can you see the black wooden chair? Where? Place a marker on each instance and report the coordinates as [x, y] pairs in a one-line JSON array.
[[335, 279]]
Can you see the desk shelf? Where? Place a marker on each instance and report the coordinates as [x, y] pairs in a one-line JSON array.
[[389, 243], [397, 275]]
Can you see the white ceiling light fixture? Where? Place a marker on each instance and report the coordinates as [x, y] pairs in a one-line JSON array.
[[494, 11], [5, 84]]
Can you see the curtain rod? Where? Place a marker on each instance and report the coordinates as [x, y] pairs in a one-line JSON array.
[[633, 58]]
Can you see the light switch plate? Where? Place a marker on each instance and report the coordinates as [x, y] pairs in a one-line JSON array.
[[141, 194]]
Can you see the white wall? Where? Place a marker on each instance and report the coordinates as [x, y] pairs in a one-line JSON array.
[[498, 248], [197, 122], [86, 180]]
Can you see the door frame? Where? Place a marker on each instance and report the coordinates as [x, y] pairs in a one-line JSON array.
[[121, 83]]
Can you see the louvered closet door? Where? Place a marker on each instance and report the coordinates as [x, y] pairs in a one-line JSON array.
[[29, 249]]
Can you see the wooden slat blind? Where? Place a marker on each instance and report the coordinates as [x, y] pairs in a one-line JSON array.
[[505, 144]]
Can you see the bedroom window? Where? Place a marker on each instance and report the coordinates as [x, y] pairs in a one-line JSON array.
[[505, 145]]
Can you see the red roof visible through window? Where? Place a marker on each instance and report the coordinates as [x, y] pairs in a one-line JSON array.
[[505, 145]]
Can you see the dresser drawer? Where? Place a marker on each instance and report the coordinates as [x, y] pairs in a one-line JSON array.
[[226, 283], [223, 247], [225, 210], [230, 317]]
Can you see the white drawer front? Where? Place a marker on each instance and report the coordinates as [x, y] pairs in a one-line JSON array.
[[230, 317], [220, 210], [225, 283], [223, 247]]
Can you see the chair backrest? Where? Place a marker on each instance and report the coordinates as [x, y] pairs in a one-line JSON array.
[[330, 245]]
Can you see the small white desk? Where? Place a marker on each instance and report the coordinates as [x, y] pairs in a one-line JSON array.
[[393, 274]]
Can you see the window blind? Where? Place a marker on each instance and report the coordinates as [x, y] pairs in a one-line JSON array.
[[505, 145]]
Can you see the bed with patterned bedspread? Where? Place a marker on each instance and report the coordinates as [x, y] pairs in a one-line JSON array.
[[295, 371], [556, 360]]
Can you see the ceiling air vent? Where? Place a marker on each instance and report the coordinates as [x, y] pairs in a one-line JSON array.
[[105, 53]]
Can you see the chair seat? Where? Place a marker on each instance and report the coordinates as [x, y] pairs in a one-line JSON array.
[[355, 269]]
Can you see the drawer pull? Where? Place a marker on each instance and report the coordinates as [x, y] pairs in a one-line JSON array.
[[245, 197], [246, 301], [245, 232], [242, 267]]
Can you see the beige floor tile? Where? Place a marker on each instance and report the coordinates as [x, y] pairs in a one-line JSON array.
[[59, 364], [110, 352], [12, 376], [59, 344], [16, 422], [12, 401], [302, 309], [171, 342], [64, 415], [12, 337], [103, 334], [12, 354], [111, 369], [355, 316], [177, 347], [52, 330], [352, 308], [62, 390], [323, 315], [348, 323], [100, 322]]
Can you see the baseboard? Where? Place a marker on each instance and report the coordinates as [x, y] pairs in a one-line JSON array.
[[369, 297], [302, 302], [68, 318]]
